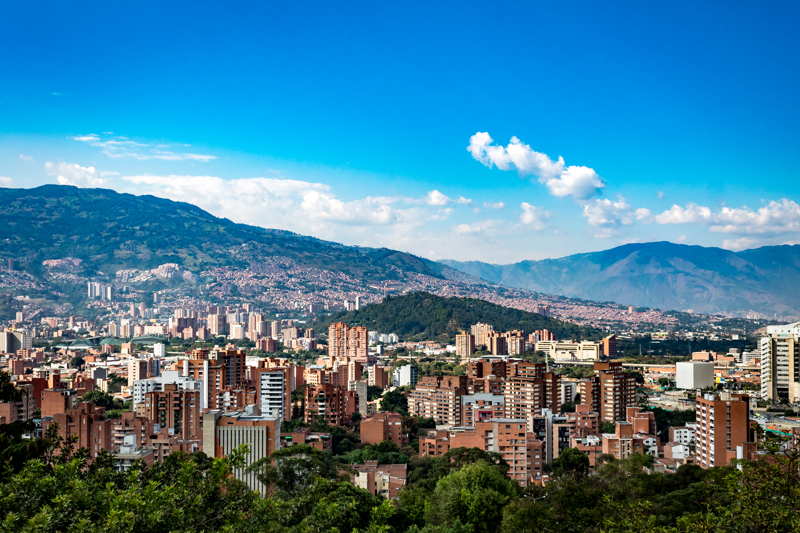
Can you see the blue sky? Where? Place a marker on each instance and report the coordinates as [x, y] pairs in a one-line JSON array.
[[351, 122]]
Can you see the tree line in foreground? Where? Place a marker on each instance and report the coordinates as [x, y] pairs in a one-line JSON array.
[[48, 485]]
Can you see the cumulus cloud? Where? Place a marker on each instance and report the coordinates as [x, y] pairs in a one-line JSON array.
[[5, 181], [268, 200], [74, 174], [494, 205], [683, 215], [578, 182], [533, 216], [775, 218], [609, 215], [118, 147], [482, 226], [437, 198], [738, 244]]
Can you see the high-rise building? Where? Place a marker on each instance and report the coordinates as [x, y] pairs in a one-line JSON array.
[[216, 324], [210, 374], [348, 342], [722, 429], [236, 332], [87, 424], [332, 404], [481, 331], [142, 369], [609, 392], [465, 345], [234, 365], [780, 363], [177, 411], [13, 340], [497, 343], [438, 397], [337, 341], [608, 346], [528, 389], [273, 391], [159, 383], [405, 376]]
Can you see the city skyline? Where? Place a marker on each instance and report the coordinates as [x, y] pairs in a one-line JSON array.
[[515, 134]]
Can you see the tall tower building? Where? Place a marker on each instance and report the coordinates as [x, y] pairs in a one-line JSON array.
[[780, 363], [722, 430], [273, 391], [348, 343], [465, 345], [609, 392], [481, 333]]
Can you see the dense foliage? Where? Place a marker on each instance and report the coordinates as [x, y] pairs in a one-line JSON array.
[[421, 315], [47, 485]]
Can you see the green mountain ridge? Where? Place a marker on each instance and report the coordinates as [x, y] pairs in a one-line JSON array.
[[419, 315], [108, 231]]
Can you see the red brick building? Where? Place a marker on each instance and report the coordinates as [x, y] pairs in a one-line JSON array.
[[383, 427]]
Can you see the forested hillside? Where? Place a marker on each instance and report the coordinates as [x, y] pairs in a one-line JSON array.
[[420, 315]]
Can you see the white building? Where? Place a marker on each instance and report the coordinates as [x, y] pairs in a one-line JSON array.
[[565, 351], [682, 434], [694, 374], [168, 377], [159, 350], [272, 399], [780, 363], [405, 376]]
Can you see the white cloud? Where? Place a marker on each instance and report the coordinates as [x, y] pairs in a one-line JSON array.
[[25, 157], [533, 216], [494, 205], [463, 201], [121, 147], [775, 218], [561, 180], [74, 174], [738, 244], [5, 181], [437, 198], [610, 215], [482, 226], [683, 215]]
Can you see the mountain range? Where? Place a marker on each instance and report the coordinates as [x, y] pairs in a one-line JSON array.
[[664, 275], [55, 238], [108, 231]]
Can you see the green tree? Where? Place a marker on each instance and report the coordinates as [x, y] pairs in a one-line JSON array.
[[571, 462], [291, 471], [395, 401], [473, 495]]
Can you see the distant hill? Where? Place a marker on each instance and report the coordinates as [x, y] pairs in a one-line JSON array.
[[108, 231], [420, 315], [664, 275]]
